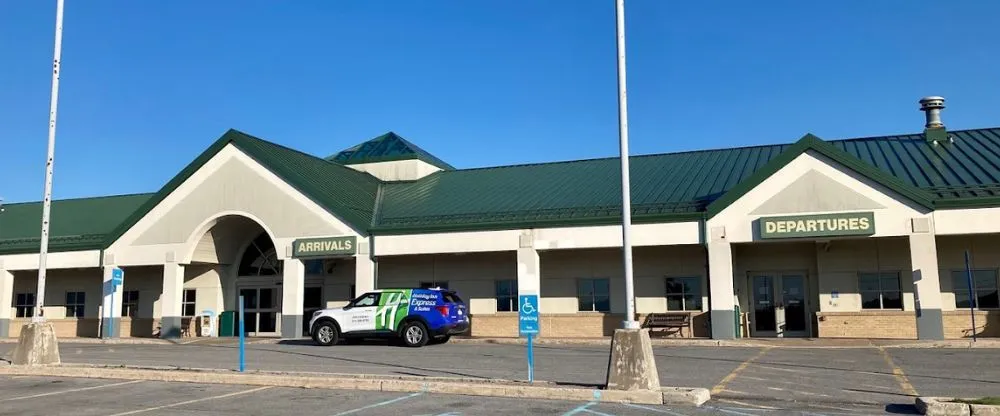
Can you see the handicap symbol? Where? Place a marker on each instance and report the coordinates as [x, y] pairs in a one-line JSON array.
[[528, 308]]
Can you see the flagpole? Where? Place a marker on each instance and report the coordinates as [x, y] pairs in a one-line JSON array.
[[630, 322], [39, 315]]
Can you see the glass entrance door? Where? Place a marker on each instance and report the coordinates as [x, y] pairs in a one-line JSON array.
[[260, 310], [779, 305]]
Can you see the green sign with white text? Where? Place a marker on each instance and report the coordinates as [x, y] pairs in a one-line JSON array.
[[822, 225], [325, 246]]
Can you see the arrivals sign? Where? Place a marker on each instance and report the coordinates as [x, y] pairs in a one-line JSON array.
[[325, 246], [822, 225]]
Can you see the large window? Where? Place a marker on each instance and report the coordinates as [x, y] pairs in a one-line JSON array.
[[594, 295], [24, 303], [984, 287], [75, 304], [188, 302], [130, 303], [880, 290], [683, 293], [260, 259], [506, 294]]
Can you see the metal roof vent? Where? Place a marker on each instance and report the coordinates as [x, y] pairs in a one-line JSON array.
[[934, 130]]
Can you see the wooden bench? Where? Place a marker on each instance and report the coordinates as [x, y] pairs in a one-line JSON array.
[[669, 322]]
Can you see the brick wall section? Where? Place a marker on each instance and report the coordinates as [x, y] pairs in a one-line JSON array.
[[958, 324], [881, 324], [139, 327], [582, 325], [65, 328]]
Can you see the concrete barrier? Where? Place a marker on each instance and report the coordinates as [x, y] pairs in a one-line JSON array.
[[946, 406]]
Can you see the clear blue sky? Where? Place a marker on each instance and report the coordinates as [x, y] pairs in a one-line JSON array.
[[146, 86]]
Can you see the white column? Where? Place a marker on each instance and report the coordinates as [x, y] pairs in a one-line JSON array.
[[926, 281], [528, 266], [720, 284], [6, 300], [529, 272], [171, 308], [293, 294], [364, 274], [111, 309]]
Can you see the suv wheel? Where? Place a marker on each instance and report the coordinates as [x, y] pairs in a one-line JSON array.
[[415, 334], [326, 334]]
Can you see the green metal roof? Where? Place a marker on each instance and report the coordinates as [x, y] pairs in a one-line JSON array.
[[76, 224], [384, 148], [681, 186], [686, 185]]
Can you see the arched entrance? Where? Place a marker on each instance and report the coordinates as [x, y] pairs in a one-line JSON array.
[[258, 281]]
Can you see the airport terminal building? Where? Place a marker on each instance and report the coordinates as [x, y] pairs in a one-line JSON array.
[[862, 237]]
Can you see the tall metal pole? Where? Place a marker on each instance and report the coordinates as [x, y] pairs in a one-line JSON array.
[[47, 201], [630, 322]]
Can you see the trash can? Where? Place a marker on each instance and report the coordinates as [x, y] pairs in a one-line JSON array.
[[227, 324]]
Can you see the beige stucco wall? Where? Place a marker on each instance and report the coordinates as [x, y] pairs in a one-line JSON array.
[[59, 260], [57, 283], [967, 221], [231, 183], [560, 270], [984, 253], [813, 184], [473, 276], [336, 285], [148, 280], [842, 261]]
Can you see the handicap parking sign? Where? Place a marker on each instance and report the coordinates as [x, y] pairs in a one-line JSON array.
[[527, 311]]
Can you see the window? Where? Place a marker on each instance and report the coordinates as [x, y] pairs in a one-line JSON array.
[[260, 259], [430, 285], [75, 304], [984, 285], [880, 291], [370, 299], [683, 293], [25, 305], [319, 266], [130, 303], [188, 302], [506, 294], [594, 295]]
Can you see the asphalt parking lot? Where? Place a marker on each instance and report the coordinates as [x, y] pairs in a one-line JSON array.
[[48, 396], [818, 380]]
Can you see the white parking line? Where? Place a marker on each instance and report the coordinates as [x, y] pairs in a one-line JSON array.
[[70, 391], [222, 396], [387, 402]]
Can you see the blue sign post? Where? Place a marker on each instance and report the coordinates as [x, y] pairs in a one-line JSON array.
[[527, 313], [117, 278], [242, 339]]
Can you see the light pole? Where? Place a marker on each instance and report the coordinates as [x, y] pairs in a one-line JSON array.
[[630, 322], [47, 200]]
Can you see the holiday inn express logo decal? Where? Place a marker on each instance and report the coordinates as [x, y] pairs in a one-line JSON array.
[[822, 225]]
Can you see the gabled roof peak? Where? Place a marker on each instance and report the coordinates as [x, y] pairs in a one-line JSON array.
[[385, 148]]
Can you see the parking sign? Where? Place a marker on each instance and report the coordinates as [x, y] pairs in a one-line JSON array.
[[527, 311]]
